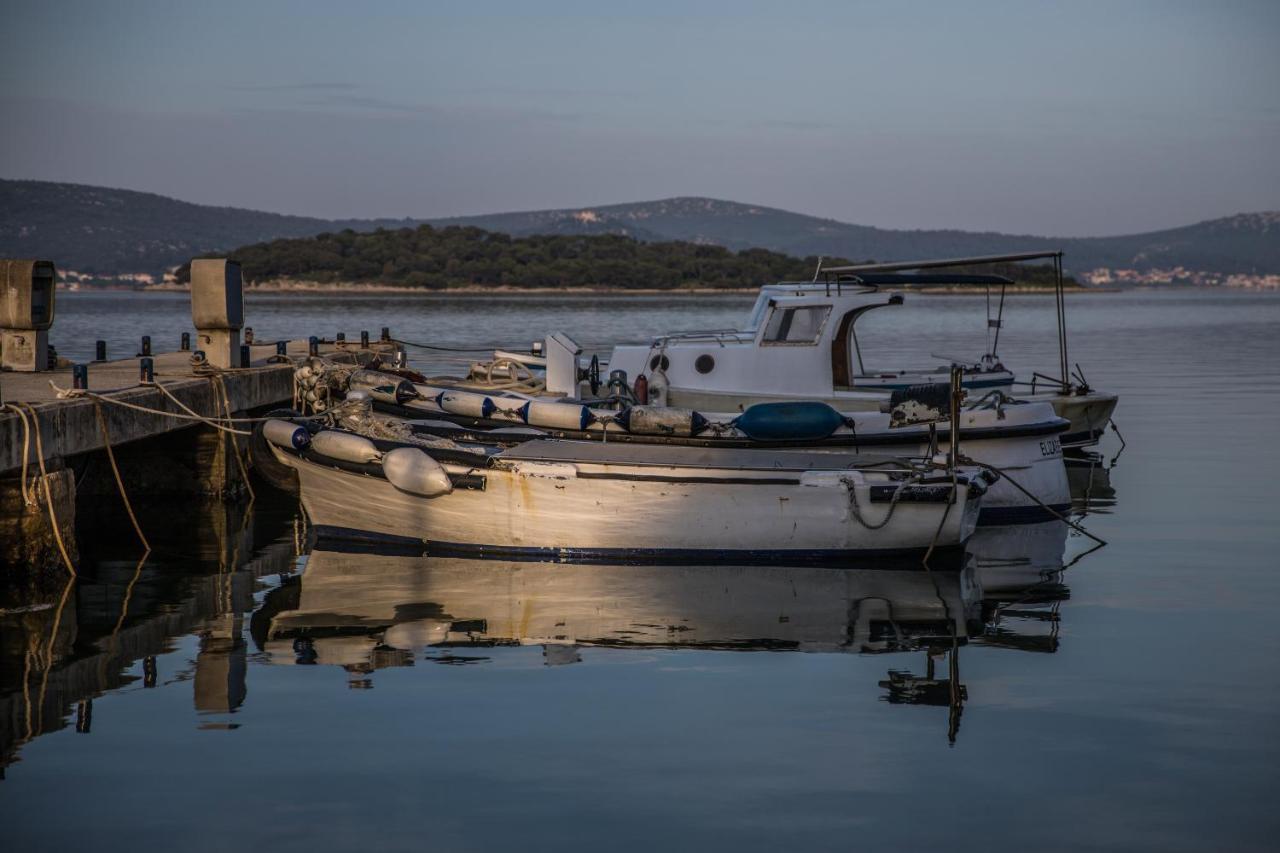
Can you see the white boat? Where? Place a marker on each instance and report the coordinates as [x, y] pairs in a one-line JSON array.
[[560, 500], [801, 343], [1019, 440]]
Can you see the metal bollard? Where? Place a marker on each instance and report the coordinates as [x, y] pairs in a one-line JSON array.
[[386, 333], [282, 347], [100, 351], [364, 339], [146, 345], [245, 356], [80, 377], [186, 341], [313, 346], [146, 371], [341, 337]]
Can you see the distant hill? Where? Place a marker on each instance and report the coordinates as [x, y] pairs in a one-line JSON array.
[[1245, 243], [108, 231]]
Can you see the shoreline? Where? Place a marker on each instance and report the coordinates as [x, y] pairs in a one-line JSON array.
[[323, 289]]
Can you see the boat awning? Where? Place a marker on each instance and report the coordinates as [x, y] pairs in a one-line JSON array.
[[920, 279], [857, 269]]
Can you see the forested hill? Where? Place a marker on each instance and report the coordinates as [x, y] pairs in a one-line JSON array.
[[458, 257], [106, 232]]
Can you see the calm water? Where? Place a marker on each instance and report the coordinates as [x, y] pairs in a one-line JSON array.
[[238, 692]]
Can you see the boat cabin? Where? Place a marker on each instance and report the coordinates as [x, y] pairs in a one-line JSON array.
[[801, 339]]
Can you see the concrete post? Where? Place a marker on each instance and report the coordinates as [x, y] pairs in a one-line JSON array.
[[217, 309], [26, 314]]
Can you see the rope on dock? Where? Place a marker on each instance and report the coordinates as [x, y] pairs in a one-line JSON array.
[[115, 469], [44, 479], [218, 381]]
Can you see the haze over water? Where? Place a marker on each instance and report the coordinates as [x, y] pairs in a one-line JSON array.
[[248, 696]]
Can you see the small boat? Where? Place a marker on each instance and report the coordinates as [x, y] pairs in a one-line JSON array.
[[801, 343], [1018, 440], [571, 501]]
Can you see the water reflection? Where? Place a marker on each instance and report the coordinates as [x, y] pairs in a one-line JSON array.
[[237, 595], [60, 650]]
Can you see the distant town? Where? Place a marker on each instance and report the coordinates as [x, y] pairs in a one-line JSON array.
[[1103, 277]]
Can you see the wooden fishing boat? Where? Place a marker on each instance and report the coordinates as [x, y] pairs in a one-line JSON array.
[[566, 501]]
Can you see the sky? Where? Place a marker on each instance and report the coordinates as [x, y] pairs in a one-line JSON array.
[[1068, 119]]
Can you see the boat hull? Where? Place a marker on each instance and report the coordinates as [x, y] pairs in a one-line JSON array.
[[570, 513]]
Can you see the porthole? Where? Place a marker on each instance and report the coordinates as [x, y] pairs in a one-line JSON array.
[[704, 364]]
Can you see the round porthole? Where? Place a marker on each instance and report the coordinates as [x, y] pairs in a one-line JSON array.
[[659, 362], [704, 364]]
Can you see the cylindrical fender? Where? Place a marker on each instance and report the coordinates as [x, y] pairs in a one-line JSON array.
[[411, 470], [344, 446], [662, 420], [466, 404], [558, 415], [286, 434], [383, 386]]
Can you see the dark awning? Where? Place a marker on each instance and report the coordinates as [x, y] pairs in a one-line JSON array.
[[906, 279], [856, 269]]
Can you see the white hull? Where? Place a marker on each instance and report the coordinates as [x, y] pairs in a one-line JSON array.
[[1019, 440], [581, 511]]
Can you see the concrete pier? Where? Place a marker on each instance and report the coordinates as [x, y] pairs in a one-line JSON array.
[[157, 454]]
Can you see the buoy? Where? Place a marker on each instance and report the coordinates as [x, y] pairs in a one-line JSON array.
[[640, 390], [557, 415], [465, 404], [661, 420], [789, 421], [411, 470], [383, 386], [344, 446], [286, 434]]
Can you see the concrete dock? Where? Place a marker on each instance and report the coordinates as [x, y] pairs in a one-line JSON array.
[[158, 455]]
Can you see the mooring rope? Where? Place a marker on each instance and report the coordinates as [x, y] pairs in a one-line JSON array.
[[28, 495], [221, 384], [115, 469], [1073, 525], [48, 493]]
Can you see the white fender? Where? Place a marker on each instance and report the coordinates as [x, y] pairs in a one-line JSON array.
[[286, 434], [411, 470], [344, 446], [558, 415], [466, 404]]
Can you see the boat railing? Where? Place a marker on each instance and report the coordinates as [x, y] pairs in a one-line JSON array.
[[720, 336]]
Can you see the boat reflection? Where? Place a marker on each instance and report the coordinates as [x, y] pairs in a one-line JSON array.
[[1089, 477], [1021, 571]]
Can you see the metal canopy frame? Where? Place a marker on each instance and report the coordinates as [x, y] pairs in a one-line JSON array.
[[866, 274]]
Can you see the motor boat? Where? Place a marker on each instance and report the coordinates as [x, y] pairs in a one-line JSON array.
[[800, 342]]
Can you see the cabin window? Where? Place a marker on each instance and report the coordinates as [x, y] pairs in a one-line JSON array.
[[796, 325]]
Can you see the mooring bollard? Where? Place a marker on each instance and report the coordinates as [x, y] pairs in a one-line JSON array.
[[386, 333], [364, 339], [186, 341], [282, 347], [146, 371], [244, 355], [80, 377], [340, 338], [313, 346], [146, 345], [100, 351]]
